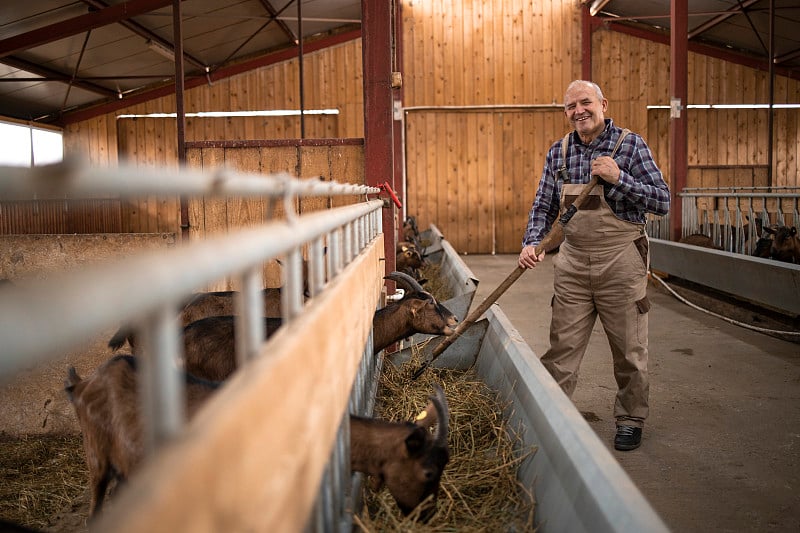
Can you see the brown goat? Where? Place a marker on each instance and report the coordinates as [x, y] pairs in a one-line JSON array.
[[210, 348], [417, 312], [404, 456], [202, 305], [408, 259], [785, 244], [107, 407], [411, 231]]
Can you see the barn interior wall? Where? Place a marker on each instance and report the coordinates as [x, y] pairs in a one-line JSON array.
[[483, 166], [332, 80], [494, 53]]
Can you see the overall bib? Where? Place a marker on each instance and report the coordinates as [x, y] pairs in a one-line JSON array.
[[601, 269]]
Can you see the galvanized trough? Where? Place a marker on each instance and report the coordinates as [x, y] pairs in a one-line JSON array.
[[577, 483]]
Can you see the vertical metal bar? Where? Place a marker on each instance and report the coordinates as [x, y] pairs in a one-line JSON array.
[[293, 284], [347, 255], [161, 384], [335, 253], [249, 309], [316, 267]]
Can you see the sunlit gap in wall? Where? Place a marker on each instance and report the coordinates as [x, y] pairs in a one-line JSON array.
[[27, 146], [731, 106], [265, 113]]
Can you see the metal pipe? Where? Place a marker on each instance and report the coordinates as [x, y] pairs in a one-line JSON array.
[[134, 287]]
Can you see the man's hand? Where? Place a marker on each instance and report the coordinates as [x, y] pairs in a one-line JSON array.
[[605, 167], [528, 257]]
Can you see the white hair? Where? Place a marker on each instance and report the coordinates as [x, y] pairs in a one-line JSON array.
[[586, 83]]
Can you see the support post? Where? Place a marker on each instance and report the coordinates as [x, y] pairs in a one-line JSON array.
[[678, 81], [378, 126]]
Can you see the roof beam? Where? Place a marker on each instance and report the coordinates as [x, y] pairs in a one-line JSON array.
[[195, 81], [273, 13], [787, 56], [79, 24], [140, 30], [55, 75], [721, 18]]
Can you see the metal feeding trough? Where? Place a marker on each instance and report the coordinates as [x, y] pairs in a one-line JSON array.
[[577, 483]]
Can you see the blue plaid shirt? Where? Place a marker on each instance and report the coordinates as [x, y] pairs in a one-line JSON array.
[[641, 188]]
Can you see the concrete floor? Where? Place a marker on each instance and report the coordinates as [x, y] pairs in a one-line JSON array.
[[721, 448]]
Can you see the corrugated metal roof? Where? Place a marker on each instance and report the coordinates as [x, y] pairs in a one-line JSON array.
[[61, 55]]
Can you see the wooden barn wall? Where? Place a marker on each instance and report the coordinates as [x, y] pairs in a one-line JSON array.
[[726, 147], [342, 162], [474, 173], [332, 80]]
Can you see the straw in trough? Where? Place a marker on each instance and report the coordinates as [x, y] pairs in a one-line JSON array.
[[479, 489]]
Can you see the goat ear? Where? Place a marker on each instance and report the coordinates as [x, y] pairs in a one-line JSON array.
[[415, 441]]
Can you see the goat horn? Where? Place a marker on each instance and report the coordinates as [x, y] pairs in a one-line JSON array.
[[405, 281], [440, 401]]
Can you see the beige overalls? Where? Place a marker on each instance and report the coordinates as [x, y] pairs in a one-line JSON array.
[[601, 269]]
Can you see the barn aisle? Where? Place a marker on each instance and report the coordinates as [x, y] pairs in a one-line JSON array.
[[720, 449]]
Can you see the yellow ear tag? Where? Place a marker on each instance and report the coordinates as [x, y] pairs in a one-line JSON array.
[[422, 416]]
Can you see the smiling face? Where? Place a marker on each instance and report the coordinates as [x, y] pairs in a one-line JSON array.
[[585, 110]]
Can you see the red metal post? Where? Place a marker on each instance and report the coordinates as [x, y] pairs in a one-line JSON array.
[[376, 47], [586, 43], [678, 83], [398, 122]]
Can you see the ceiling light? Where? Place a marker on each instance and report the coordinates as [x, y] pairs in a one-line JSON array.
[[161, 50]]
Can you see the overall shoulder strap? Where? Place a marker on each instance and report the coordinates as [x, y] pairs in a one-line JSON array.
[[562, 171], [622, 136]]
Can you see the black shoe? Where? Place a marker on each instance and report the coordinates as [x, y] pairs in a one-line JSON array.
[[627, 438]]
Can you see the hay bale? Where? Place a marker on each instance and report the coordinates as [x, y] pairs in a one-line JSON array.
[[479, 489]]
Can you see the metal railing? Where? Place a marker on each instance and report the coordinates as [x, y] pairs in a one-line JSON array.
[[731, 216], [43, 320]]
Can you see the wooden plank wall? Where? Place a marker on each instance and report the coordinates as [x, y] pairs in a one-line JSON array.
[[331, 160], [721, 138], [483, 167], [332, 80], [474, 173], [498, 52]]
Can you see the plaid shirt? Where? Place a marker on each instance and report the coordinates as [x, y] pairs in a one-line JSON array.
[[641, 188]]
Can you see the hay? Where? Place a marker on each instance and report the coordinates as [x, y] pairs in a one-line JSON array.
[[479, 489], [40, 476], [436, 284]]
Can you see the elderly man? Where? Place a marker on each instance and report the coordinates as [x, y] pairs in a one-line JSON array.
[[601, 267]]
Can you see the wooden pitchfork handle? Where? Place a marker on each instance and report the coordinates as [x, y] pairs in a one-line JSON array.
[[553, 238]]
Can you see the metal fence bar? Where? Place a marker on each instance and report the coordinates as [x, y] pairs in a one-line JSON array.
[[77, 178], [43, 320], [128, 290]]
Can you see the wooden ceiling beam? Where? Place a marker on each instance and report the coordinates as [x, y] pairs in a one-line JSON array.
[[79, 24]]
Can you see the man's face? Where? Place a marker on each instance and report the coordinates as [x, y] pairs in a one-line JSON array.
[[585, 111]]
